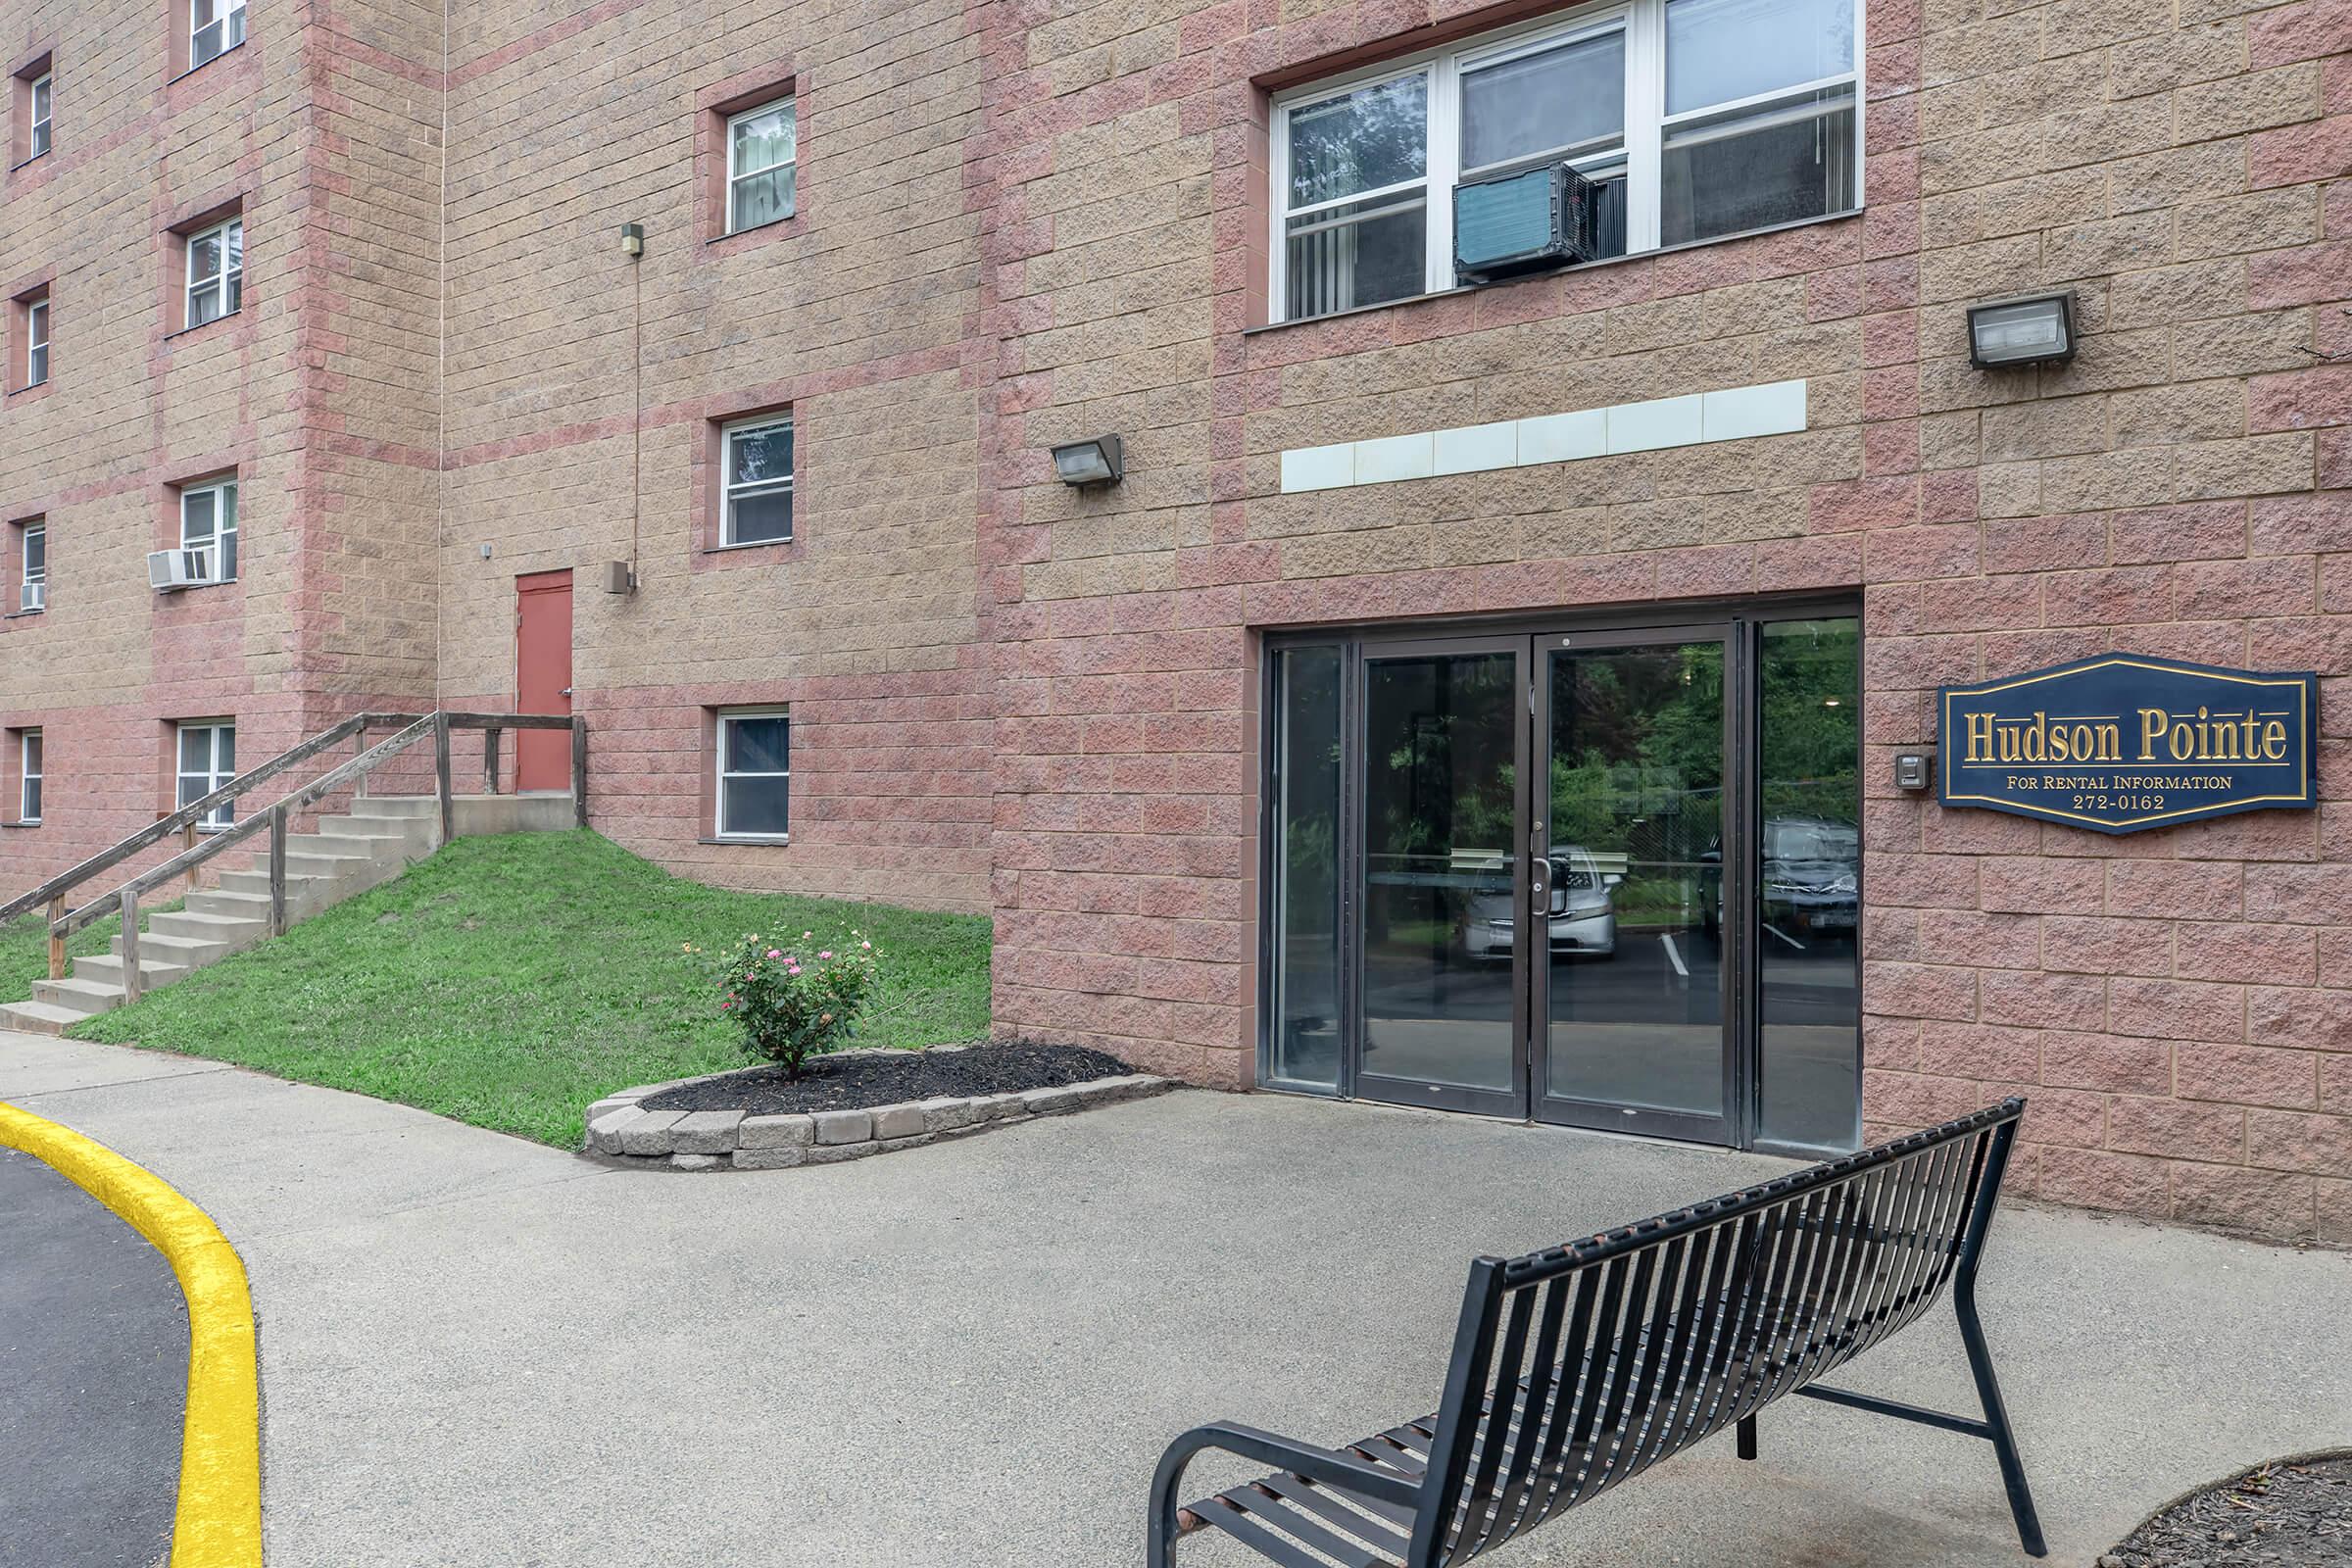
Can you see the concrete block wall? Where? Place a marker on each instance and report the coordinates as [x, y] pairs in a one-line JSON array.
[[2175, 1003]]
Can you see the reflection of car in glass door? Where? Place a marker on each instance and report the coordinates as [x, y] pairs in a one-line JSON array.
[[1812, 877], [1583, 912]]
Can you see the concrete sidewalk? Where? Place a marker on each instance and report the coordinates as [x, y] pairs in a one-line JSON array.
[[480, 1351]]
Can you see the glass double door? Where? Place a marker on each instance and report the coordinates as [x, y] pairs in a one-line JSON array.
[[1553, 887]]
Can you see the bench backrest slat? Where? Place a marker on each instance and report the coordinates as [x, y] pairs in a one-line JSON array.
[[1580, 1366]]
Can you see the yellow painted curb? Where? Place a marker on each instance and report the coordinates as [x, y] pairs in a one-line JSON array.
[[219, 1521]]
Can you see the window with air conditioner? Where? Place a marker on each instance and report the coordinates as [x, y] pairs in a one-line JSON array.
[[1687, 120], [207, 759], [208, 529], [214, 27], [763, 164], [32, 592], [215, 272], [755, 498], [29, 776], [754, 774]]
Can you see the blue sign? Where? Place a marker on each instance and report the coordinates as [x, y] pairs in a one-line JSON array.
[[2120, 743]]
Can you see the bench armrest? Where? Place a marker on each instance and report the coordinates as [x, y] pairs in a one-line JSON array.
[[1327, 1465]]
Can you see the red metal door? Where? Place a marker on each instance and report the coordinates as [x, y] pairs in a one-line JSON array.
[[543, 677]]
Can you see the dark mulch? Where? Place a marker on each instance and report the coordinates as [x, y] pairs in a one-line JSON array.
[[861, 1082], [2274, 1516]]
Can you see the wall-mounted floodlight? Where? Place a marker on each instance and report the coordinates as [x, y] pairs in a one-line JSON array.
[[632, 239], [2028, 331], [1099, 461]]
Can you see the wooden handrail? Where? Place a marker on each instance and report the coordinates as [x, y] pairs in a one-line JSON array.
[[63, 923], [194, 811]]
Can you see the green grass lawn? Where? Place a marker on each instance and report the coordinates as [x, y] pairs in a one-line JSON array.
[[510, 982], [24, 945]]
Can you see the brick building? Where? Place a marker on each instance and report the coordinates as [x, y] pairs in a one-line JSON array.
[[1240, 750]]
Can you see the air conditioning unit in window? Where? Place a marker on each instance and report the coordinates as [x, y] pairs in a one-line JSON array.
[[35, 596], [1536, 218], [170, 570]]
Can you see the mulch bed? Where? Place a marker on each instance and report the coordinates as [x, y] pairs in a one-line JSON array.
[[2274, 1516], [894, 1078]]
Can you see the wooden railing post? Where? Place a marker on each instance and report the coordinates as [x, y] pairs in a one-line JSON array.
[[358, 786], [56, 944], [490, 760], [187, 840], [131, 948], [277, 869], [580, 770], [449, 810]]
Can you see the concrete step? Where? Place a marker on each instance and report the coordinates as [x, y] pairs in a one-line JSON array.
[[88, 998], [192, 952], [244, 906], [302, 892], [390, 840], [423, 808], [233, 932], [39, 1018], [107, 969]]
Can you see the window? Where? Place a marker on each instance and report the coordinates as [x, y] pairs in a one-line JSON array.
[[215, 272], [757, 508], [208, 521], [214, 27], [1695, 118], [38, 99], [762, 145], [754, 774], [36, 340], [207, 759], [28, 793], [33, 594]]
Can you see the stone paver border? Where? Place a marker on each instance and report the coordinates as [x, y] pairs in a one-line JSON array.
[[622, 1131]]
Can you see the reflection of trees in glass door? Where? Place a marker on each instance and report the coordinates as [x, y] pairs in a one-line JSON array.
[[1631, 979]]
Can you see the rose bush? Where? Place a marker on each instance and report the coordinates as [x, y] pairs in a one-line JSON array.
[[795, 1001]]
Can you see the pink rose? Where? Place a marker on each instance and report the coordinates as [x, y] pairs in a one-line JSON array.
[[824, 954], [774, 953]]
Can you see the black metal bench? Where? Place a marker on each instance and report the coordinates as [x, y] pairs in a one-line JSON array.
[[1579, 1366]]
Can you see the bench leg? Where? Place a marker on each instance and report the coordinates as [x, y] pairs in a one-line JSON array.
[[1996, 1420], [1747, 1436]]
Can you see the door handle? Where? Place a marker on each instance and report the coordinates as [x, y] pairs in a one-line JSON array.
[[1538, 904], [565, 692]]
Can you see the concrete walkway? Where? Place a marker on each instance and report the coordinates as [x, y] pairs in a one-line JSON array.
[[476, 1351]]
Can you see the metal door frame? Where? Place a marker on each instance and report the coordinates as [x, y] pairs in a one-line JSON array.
[[1731, 1029], [1356, 643]]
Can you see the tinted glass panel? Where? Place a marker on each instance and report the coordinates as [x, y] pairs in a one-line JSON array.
[[1633, 922], [1362, 140], [1439, 801], [224, 751], [1721, 51], [756, 806], [759, 518], [758, 745], [756, 456], [1808, 881], [196, 514], [195, 751], [765, 139], [1305, 873], [1542, 101], [765, 197], [1362, 253], [1771, 167]]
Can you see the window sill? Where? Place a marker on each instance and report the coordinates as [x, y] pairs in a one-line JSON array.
[[193, 587], [21, 614], [30, 821], [748, 544], [1555, 272], [754, 228], [240, 310], [773, 839], [223, 55], [19, 391], [12, 169]]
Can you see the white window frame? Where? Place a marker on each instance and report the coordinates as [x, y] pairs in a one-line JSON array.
[[32, 766], [736, 176], [37, 341], [718, 763], [1646, 125], [225, 813], [39, 100], [231, 20], [216, 283], [730, 489], [31, 574], [224, 525]]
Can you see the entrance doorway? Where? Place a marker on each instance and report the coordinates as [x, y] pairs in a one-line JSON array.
[[1605, 875], [543, 677]]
